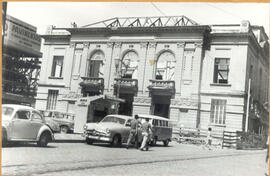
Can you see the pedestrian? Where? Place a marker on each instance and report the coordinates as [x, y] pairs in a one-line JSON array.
[[209, 138], [133, 134], [267, 158], [146, 129]]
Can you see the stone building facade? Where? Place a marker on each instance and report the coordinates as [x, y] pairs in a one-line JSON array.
[[195, 75]]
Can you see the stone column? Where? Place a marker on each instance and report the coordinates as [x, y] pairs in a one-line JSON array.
[[113, 72], [69, 61], [141, 67], [178, 67], [83, 70], [108, 66], [149, 65]]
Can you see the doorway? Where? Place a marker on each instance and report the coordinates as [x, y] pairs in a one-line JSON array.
[[161, 105]]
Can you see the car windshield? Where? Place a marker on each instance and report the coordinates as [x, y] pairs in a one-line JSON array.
[[7, 112], [114, 120]]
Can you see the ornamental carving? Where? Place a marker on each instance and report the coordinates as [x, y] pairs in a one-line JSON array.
[[184, 102], [109, 44], [118, 45], [198, 44], [143, 44], [152, 44], [181, 45], [143, 100], [72, 44], [86, 44]]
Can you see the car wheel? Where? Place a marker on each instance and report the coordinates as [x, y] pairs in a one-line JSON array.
[[43, 140], [4, 139], [89, 141], [64, 129], [116, 141], [166, 142], [154, 141]]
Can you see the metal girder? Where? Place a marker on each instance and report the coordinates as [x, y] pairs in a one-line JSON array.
[[161, 21]]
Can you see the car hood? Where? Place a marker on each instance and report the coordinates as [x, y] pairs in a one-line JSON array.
[[107, 125]]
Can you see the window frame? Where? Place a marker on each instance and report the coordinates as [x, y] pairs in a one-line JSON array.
[[218, 111], [217, 71], [54, 64]]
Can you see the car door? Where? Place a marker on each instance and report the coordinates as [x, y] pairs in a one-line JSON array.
[[36, 123], [126, 131], [21, 126]]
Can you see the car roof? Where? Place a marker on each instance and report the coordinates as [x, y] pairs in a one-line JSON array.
[[17, 106], [152, 117], [121, 116]]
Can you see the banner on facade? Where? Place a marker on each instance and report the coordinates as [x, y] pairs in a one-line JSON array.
[[22, 37]]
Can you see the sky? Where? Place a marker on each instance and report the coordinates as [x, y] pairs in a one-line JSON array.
[[62, 14]]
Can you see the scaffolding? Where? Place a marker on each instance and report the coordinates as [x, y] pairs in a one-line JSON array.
[[160, 21]]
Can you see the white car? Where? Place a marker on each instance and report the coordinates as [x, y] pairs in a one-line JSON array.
[[24, 123]]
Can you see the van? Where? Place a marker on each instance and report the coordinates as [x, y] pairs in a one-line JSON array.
[[162, 129]]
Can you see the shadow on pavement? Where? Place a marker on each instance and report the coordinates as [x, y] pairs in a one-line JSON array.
[[24, 144]]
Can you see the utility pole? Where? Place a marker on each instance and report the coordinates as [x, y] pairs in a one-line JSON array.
[[247, 108]]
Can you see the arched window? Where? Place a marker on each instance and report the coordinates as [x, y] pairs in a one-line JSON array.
[[129, 65], [165, 66], [96, 65]]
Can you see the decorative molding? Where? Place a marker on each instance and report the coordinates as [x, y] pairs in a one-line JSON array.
[[131, 46], [98, 46], [143, 44], [184, 102], [144, 100], [152, 44], [86, 44], [198, 44], [109, 44], [180, 44], [118, 45], [72, 45]]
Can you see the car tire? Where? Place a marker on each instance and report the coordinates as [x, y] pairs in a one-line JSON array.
[[89, 141], [4, 138], [64, 129], [43, 140], [154, 141], [166, 142], [116, 141]]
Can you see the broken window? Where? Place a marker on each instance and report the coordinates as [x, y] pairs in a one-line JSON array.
[[165, 66], [129, 65], [221, 70], [57, 66]]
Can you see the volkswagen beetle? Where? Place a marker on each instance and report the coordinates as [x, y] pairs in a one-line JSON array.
[[24, 123]]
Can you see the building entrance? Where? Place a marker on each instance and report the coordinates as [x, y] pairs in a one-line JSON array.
[[125, 108], [161, 105]]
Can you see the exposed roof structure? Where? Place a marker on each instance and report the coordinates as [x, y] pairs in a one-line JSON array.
[[159, 21]]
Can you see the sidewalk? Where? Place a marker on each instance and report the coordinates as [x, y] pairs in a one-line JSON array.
[[72, 138]]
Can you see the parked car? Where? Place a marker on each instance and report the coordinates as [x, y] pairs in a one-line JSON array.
[[113, 129], [53, 125], [24, 123], [64, 120], [162, 129]]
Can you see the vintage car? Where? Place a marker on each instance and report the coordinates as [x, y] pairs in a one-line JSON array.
[[24, 123], [53, 125], [113, 129], [64, 120], [161, 128]]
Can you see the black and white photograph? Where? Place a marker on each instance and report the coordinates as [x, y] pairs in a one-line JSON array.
[[135, 88]]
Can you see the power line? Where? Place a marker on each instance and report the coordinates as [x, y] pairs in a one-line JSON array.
[[158, 9], [224, 11]]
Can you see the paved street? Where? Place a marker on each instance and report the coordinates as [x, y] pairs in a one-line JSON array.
[[100, 159]]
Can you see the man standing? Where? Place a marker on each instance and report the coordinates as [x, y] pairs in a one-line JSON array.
[[146, 127], [134, 124]]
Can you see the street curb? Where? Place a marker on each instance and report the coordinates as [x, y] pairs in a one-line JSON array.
[[68, 141]]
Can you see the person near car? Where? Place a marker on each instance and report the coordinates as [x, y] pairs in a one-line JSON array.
[[133, 135], [146, 129]]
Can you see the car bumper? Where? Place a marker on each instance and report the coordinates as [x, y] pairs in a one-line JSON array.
[[98, 138]]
